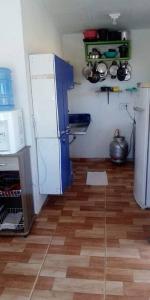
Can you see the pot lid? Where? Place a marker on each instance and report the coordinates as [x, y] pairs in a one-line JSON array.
[[113, 69], [102, 67]]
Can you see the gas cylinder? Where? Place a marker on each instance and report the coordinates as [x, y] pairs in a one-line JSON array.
[[118, 148]]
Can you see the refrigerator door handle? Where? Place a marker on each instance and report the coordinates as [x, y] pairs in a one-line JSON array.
[[68, 131], [65, 132], [138, 109]]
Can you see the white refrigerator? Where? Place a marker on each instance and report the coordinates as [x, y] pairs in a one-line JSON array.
[[51, 77], [142, 147]]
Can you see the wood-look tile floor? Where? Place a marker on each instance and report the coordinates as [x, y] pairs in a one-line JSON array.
[[90, 244]]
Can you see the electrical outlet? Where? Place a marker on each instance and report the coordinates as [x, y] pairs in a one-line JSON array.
[[123, 106]]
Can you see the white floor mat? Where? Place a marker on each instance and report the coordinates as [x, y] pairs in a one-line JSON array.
[[97, 178]]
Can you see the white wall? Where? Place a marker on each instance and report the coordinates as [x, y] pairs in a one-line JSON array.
[[84, 99], [11, 50], [12, 55], [25, 28], [40, 33]]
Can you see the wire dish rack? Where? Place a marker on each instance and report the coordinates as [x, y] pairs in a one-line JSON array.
[[10, 193], [11, 219]]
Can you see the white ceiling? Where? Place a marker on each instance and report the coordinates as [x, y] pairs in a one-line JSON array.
[[73, 16]]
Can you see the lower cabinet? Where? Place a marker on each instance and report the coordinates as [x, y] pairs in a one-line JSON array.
[[16, 196]]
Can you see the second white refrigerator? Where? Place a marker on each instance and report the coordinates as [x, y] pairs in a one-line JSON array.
[[142, 147]]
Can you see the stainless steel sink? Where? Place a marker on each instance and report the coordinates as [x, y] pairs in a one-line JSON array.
[[79, 123]]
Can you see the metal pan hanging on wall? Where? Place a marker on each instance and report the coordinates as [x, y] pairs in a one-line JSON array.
[[128, 69], [128, 76], [121, 73], [87, 71], [95, 76], [127, 66], [102, 68], [113, 70]]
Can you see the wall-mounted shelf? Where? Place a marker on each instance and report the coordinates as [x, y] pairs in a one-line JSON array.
[[108, 59], [103, 46], [108, 90], [107, 42]]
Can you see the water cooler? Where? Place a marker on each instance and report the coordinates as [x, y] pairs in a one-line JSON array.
[[11, 120], [16, 195]]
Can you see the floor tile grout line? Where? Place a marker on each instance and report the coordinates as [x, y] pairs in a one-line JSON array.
[[49, 244], [37, 276], [45, 255], [114, 217]]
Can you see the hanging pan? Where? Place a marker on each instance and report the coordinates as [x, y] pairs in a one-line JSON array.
[[113, 70], [128, 70], [121, 73], [87, 71], [95, 76]]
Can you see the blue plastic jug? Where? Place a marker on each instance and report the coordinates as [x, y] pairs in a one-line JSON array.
[[6, 93]]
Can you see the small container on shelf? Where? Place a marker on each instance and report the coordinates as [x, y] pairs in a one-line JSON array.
[[94, 54], [114, 35], [110, 53], [123, 50], [103, 34], [90, 34]]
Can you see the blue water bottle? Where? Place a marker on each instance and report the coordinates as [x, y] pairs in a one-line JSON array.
[[6, 93]]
